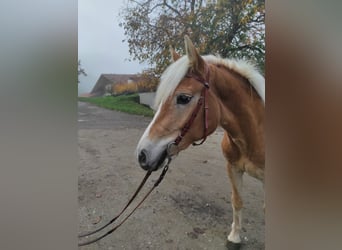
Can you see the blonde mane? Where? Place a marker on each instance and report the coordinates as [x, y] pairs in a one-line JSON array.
[[177, 70]]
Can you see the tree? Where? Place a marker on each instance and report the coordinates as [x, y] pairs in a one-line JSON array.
[[230, 28], [80, 71]]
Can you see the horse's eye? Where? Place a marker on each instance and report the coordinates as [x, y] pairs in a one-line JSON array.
[[183, 99]]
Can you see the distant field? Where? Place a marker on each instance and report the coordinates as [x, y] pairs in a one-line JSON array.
[[125, 103]]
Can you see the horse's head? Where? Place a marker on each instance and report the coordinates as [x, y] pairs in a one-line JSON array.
[[177, 98]]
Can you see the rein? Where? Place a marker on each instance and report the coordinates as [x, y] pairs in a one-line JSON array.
[[202, 101], [157, 182]]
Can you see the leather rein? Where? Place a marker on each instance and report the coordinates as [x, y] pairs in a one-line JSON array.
[[201, 102]]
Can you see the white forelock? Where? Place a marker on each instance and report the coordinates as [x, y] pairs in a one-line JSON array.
[[177, 70], [170, 79]]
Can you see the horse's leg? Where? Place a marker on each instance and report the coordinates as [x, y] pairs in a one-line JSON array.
[[232, 154], [235, 176]]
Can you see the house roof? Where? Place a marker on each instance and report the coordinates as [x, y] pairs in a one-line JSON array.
[[115, 78]]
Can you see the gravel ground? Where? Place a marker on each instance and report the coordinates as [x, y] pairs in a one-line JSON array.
[[189, 210]]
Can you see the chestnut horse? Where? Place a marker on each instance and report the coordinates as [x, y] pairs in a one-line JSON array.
[[235, 100]]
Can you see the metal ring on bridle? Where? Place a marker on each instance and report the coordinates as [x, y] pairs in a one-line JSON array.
[[169, 149]]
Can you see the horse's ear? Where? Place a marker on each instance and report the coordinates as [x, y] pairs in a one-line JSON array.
[[174, 54], [196, 61]]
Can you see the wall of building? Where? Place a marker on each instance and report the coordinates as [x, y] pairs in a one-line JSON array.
[[147, 98]]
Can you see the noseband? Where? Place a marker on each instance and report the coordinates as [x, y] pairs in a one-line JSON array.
[[201, 101]]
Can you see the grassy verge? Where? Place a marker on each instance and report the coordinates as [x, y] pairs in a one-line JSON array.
[[125, 103]]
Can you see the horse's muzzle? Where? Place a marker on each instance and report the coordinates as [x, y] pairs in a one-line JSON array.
[[142, 158], [147, 163]]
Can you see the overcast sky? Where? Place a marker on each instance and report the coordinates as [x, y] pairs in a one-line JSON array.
[[100, 46]]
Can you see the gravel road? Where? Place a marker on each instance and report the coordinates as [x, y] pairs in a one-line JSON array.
[[189, 210]]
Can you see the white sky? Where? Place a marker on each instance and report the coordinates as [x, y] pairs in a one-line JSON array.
[[100, 46]]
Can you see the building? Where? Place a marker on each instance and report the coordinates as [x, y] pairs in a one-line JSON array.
[[106, 81]]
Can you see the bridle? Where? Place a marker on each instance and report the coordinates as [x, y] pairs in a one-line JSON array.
[[201, 101]]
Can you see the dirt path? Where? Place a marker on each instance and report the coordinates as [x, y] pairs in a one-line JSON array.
[[190, 209]]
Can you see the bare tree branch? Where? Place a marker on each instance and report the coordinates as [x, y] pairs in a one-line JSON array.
[[173, 9]]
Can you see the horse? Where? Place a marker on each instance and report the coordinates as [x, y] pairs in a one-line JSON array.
[[231, 94]]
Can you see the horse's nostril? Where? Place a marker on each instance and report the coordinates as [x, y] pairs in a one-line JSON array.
[[142, 158]]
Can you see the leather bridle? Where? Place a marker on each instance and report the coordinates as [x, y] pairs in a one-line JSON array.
[[202, 101]]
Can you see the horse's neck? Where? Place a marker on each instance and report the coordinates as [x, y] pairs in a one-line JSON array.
[[241, 109]]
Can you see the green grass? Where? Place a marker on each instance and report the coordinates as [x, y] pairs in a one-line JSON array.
[[125, 103]]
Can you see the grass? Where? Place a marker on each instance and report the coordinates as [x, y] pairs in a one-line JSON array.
[[125, 103]]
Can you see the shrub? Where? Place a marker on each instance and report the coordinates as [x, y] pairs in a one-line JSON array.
[[125, 88], [146, 86], [133, 87]]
